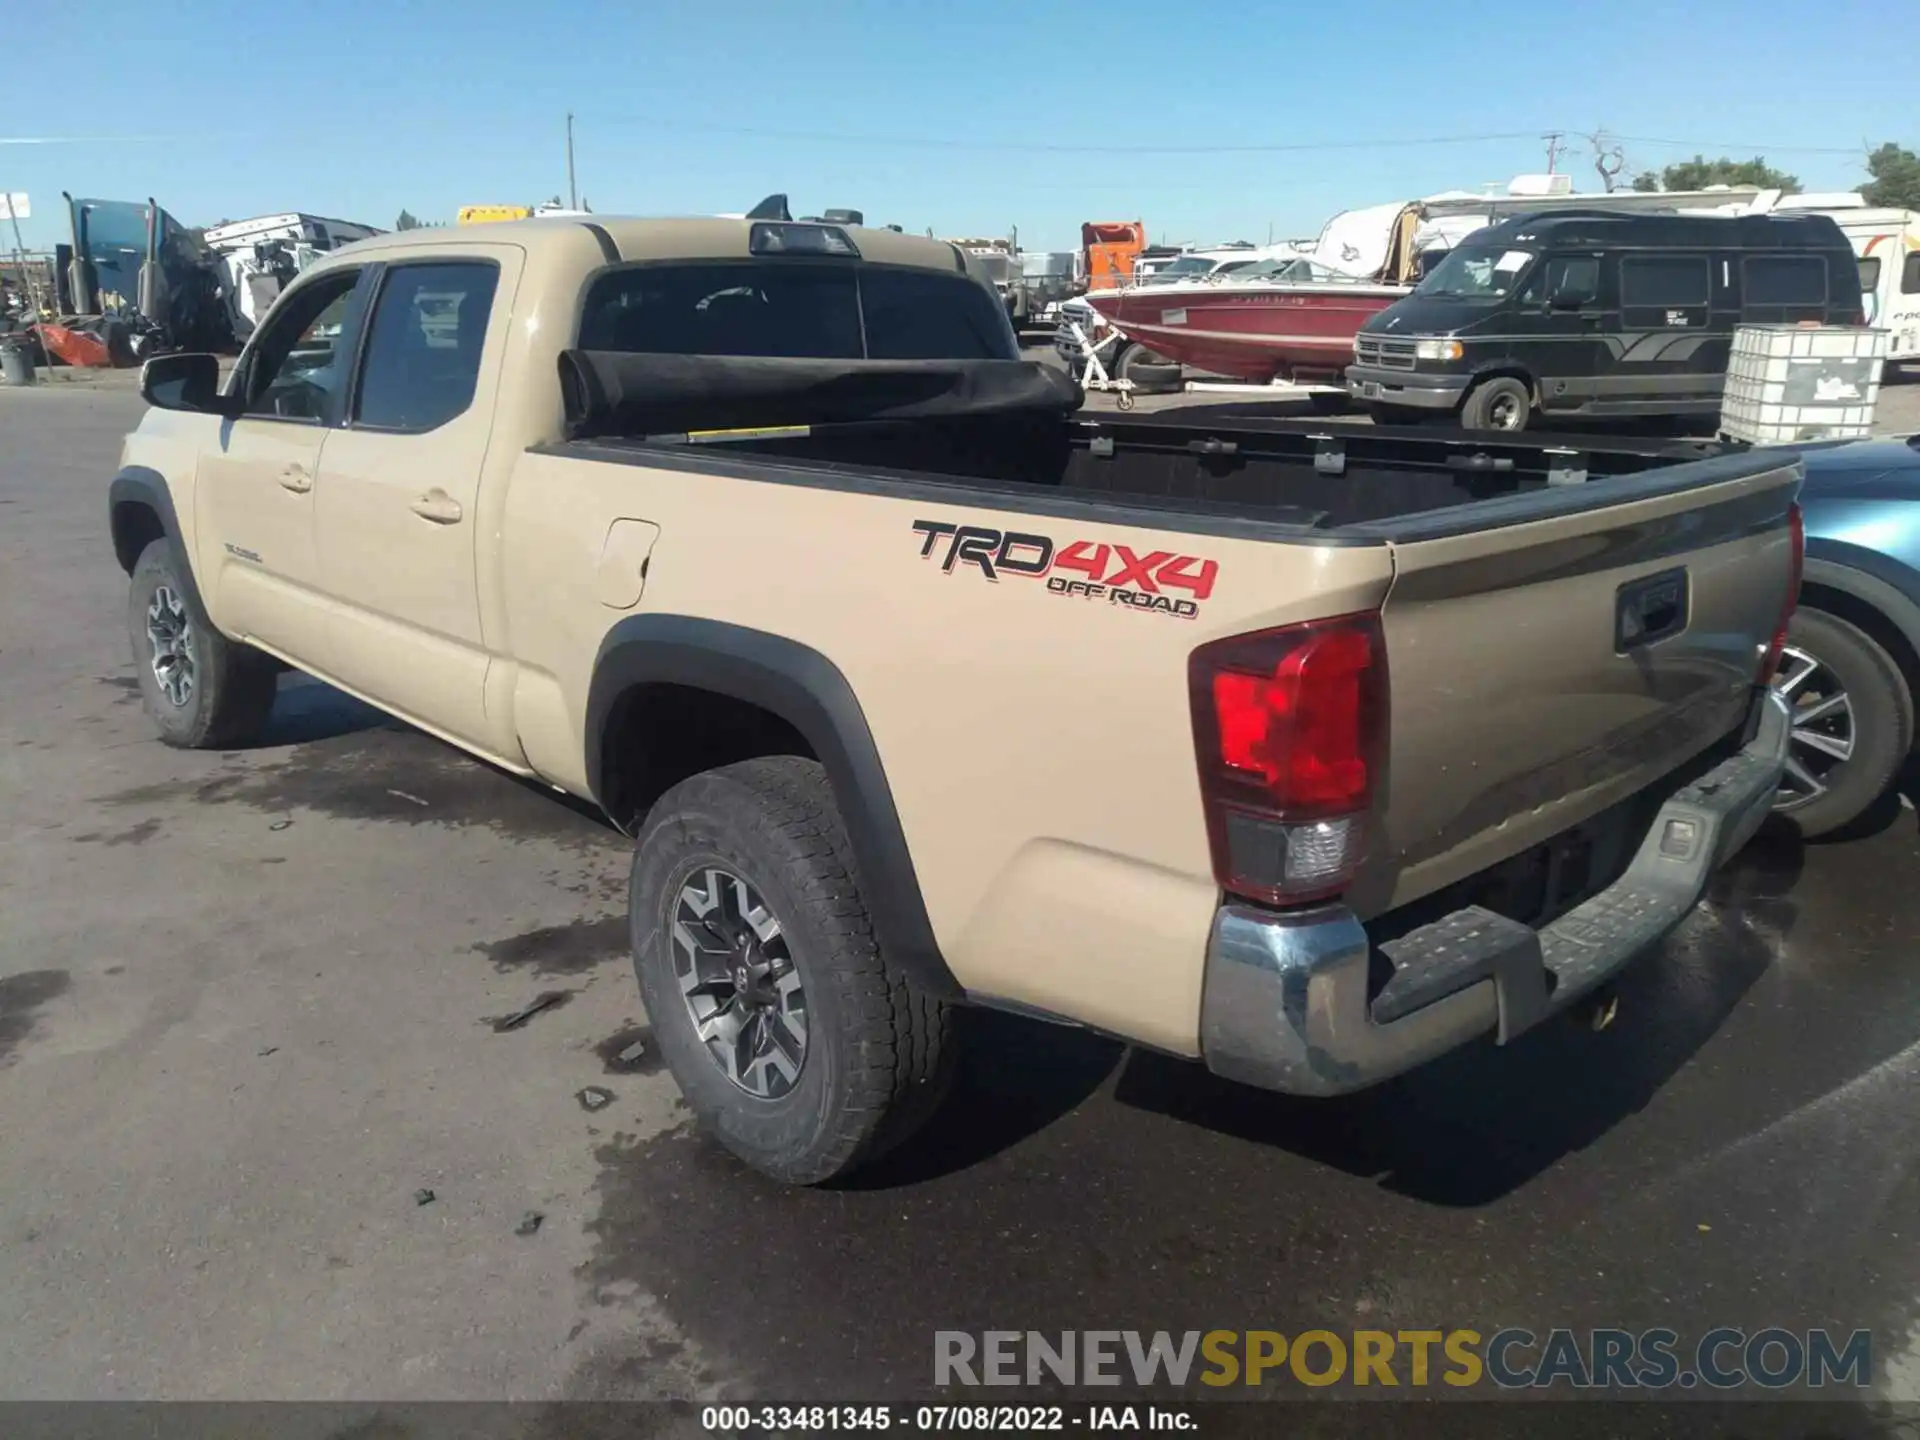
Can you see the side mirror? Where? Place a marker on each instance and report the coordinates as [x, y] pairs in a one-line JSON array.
[[1571, 299], [186, 382]]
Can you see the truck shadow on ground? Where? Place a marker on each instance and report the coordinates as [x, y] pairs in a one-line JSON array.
[[1477, 1124], [1898, 805], [324, 751], [306, 710], [1068, 1177], [1016, 1077], [1463, 1131]]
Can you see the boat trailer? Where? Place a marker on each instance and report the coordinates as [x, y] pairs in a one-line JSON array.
[[1093, 374]]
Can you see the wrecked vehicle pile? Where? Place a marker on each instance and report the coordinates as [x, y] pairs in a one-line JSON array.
[[133, 282]]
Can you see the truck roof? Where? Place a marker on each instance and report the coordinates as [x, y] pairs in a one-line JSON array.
[[715, 237]]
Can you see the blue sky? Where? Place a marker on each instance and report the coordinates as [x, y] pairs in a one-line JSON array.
[[966, 115]]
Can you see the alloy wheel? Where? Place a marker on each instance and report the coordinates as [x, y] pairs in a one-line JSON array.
[[170, 641], [1823, 733], [738, 979]]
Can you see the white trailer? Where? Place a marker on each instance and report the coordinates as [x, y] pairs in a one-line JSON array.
[[260, 257], [1887, 243]]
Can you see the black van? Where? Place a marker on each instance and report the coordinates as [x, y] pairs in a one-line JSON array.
[[1593, 313]]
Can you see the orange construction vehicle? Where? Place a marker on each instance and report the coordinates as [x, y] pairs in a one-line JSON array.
[[1110, 247]]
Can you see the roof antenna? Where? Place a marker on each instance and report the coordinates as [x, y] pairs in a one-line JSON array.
[[774, 207]]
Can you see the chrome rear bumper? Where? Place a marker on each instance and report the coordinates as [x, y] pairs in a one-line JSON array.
[[1286, 1004]]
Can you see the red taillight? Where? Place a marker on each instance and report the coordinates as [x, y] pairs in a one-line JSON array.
[[1290, 726], [1796, 567]]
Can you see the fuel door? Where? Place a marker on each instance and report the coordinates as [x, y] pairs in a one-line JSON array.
[[621, 576]]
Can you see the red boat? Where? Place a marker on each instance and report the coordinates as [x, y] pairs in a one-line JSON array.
[[1257, 330], [1290, 319]]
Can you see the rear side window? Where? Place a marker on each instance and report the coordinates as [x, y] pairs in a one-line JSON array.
[[1910, 276], [423, 348], [1795, 282], [914, 315], [795, 311], [758, 310], [1663, 281], [1869, 274]]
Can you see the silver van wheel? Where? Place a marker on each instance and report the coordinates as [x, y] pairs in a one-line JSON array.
[[1506, 412]]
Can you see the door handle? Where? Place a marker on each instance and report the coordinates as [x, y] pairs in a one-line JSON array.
[[439, 507], [297, 478]]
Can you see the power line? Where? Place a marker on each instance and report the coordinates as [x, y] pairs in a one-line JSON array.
[[1022, 147], [900, 142], [78, 139], [1747, 147]]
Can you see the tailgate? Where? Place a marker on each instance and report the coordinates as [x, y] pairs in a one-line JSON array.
[[1551, 653]]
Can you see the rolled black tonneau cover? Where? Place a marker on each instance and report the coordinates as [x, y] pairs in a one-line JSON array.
[[618, 393]]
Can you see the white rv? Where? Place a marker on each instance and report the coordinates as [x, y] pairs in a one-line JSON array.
[[1887, 243]]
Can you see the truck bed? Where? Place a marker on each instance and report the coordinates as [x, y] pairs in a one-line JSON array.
[[1308, 474], [1015, 427], [1504, 645]]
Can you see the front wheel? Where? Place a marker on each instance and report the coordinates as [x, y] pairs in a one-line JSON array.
[[1502, 403], [796, 1044], [1852, 722], [201, 690]]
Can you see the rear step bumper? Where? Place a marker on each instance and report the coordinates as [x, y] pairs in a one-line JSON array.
[[1286, 1004]]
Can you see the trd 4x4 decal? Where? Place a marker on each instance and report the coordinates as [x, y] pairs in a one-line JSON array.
[[1089, 569]]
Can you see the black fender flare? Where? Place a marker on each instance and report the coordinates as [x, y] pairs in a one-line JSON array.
[[138, 487], [807, 690], [1494, 369]]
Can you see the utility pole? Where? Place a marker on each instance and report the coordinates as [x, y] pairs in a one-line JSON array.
[[1553, 139], [27, 281], [573, 195]]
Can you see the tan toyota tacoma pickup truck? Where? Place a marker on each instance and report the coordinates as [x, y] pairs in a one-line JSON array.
[[1308, 751]]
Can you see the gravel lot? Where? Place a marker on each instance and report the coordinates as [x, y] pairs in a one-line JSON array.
[[248, 1008]]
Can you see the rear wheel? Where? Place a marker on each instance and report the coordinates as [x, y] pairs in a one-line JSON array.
[[1502, 403], [201, 690], [796, 1044], [1852, 722]]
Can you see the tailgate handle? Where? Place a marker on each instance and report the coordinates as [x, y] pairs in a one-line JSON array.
[[1650, 609], [1212, 446]]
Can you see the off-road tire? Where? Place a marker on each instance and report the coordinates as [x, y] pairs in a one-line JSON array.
[[1883, 720], [1493, 397], [232, 688], [879, 1051]]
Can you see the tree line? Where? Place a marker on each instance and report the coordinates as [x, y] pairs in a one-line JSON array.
[[1893, 176]]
